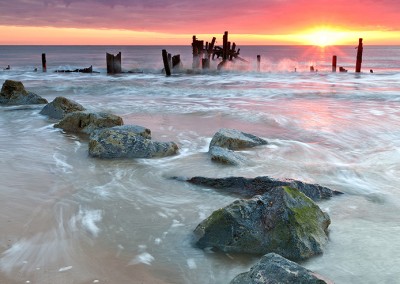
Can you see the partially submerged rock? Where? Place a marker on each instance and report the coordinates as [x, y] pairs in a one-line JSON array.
[[14, 93], [226, 156], [128, 141], [283, 221], [248, 187], [60, 107], [233, 139], [273, 268], [87, 122]]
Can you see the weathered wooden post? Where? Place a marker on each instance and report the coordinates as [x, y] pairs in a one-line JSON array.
[[225, 47], [334, 63], [170, 60], [258, 62], [114, 65], [359, 55], [44, 62], [176, 61], [166, 62], [209, 50], [198, 47]]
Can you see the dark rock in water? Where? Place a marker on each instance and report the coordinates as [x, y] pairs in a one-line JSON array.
[[87, 122], [14, 93], [226, 156], [283, 221], [248, 187], [234, 139], [274, 269], [128, 141], [61, 106]]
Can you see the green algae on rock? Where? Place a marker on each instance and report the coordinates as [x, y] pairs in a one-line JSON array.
[[282, 221]]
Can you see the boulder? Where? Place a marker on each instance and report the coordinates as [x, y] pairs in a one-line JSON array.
[[226, 156], [14, 93], [283, 221], [274, 269], [234, 139], [128, 141], [61, 106], [248, 187], [87, 122]]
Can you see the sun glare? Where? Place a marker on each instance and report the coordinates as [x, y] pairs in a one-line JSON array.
[[324, 37]]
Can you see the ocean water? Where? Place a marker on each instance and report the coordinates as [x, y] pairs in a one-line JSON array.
[[70, 218]]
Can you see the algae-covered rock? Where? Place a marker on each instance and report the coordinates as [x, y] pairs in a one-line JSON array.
[[283, 221], [248, 187], [61, 106], [14, 93], [233, 139], [128, 141], [275, 269], [87, 122], [226, 156]]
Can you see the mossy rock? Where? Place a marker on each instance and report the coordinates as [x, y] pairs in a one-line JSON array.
[[60, 107], [282, 221], [14, 93], [233, 139], [87, 122], [128, 141], [273, 268]]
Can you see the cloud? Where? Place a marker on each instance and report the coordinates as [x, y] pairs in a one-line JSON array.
[[206, 16]]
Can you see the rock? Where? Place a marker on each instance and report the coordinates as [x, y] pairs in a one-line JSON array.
[[128, 142], [274, 269], [248, 187], [61, 106], [14, 93], [283, 221], [226, 156], [87, 122], [234, 140]]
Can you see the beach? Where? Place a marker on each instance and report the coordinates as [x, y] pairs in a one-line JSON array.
[[72, 218]]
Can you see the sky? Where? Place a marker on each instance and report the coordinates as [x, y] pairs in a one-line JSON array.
[[168, 22]]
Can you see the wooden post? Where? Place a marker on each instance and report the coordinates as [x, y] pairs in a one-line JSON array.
[[359, 55], [176, 61], [198, 46], [334, 63], [209, 51], [170, 60], [258, 62], [117, 63], [113, 63], [166, 62], [225, 46], [44, 62]]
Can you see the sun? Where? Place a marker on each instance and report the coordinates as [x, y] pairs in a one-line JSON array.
[[323, 37]]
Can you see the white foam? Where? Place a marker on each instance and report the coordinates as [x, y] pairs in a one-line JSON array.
[[144, 258], [191, 263], [89, 220], [62, 269], [61, 163]]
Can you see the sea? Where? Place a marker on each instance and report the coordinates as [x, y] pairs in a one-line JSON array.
[[69, 218]]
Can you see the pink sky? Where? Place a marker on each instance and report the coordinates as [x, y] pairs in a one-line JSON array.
[[170, 21]]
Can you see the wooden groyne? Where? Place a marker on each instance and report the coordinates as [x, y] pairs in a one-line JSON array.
[[203, 54], [114, 65]]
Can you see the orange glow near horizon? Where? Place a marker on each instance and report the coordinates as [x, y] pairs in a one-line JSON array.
[[319, 36], [324, 36]]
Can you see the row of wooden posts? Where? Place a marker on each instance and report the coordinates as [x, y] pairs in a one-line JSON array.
[[202, 55]]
